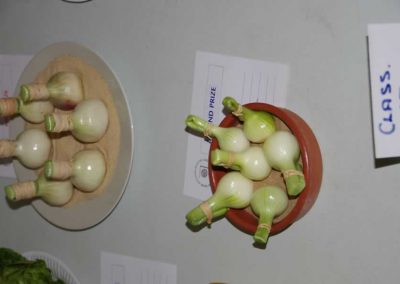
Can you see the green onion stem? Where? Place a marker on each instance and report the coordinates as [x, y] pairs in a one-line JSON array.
[[196, 123], [263, 229], [197, 216], [49, 122], [25, 93], [230, 103], [224, 158]]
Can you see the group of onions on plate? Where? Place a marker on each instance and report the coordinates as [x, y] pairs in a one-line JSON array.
[[250, 152], [85, 119]]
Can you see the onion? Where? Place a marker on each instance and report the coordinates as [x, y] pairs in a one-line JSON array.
[[55, 193], [282, 152], [86, 170], [33, 112], [233, 191], [267, 202], [88, 121], [251, 162], [64, 90], [229, 139], [32, 148], [257, 124]]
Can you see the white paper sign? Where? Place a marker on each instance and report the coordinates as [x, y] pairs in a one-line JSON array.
[[11, 67], [384, 58], [121, 269], [215, 77]]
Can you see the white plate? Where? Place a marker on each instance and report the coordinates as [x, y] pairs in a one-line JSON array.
[[58, 269], [89, 213]]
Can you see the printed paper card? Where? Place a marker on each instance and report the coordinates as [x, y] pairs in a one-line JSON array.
[[215, 77], [384, 59], [122, 269]]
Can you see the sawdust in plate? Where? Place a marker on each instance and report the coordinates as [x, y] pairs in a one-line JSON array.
[[64, 145]]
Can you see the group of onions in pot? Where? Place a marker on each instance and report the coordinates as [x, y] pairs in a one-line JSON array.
[[86, 121], [250, 152]]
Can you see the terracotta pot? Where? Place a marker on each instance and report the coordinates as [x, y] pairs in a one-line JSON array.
[[311, 159]]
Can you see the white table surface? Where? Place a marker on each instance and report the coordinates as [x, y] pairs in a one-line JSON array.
[[351, 235]]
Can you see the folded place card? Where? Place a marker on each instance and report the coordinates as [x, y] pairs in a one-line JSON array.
[[384, 60], [122, 269]]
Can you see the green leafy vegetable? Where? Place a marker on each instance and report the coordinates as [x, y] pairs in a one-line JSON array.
[[16, 269], [8, 256]]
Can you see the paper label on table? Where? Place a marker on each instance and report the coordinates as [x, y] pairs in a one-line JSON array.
[[215, 77], [11, 67], [121, 269], [384, 59]]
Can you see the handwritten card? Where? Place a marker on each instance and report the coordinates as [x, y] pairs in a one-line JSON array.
[[121, 269], [11, 67], [215, 77], [384, 59]]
